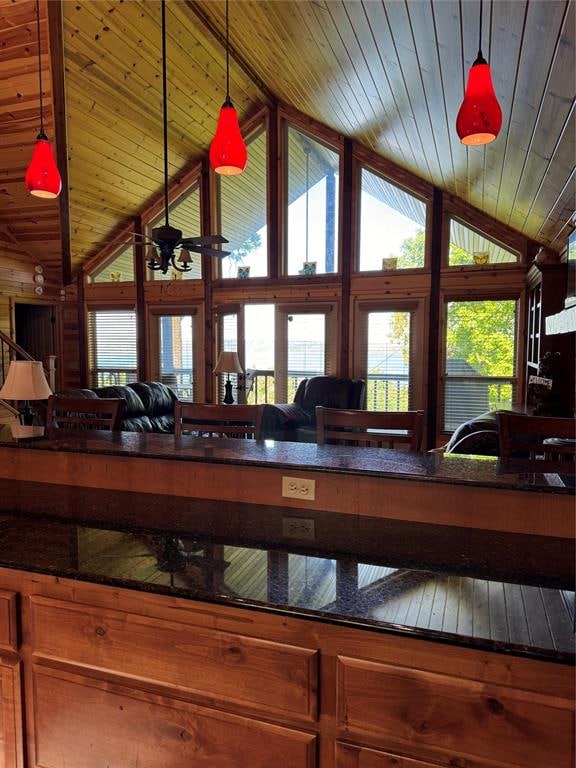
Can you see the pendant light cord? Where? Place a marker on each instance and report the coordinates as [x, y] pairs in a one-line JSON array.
[[480, 33], [227, 58], [165, 111], [40, 68]]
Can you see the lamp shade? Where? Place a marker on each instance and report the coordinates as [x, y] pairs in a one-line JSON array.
[[228, 363], [25, 381], [228, 153], [42, 176], [479, 117]]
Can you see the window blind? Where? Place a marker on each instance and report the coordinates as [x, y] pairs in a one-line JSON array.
[[112, 347]]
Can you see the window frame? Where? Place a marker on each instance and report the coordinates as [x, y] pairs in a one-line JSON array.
[[519, 341], [91, 307], [330, 142], [359, 165]]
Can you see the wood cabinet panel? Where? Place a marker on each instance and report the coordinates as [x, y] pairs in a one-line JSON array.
[[11, 740], [453, 717], [96, 724], [263, 675], [351, 756], [8, 625]]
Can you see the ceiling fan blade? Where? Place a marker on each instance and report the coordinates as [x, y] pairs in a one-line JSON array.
[[203, 249], [203, 240]]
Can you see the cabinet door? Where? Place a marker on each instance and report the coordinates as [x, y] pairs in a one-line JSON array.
[[11, 746], [351, 756], [89, 723]]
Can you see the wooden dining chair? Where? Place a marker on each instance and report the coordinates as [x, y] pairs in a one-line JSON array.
[[369, 428], [207, 420], [85, 413], [543, 437]]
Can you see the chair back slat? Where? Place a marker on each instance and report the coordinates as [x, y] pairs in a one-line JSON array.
[[236, 421], [85, 413], [372, 428], [535, 435]]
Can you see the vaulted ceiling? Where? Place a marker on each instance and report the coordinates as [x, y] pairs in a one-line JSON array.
[[389, 74]]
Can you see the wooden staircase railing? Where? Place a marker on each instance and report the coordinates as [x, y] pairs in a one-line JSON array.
[[10, 350]]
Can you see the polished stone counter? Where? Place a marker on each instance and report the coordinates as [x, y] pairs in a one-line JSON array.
[[374, 574], [299, 457]]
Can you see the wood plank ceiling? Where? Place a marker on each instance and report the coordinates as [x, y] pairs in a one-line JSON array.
[[29, 226], [388, 73]]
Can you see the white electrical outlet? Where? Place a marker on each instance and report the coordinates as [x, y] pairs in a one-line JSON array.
[[298, 488]]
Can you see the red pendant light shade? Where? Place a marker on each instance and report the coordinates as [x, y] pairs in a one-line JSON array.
[[480, 117], [228, 153], [42, 176]]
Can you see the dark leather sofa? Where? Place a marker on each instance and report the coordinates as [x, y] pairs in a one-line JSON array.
[[149, 404], [297, 421]]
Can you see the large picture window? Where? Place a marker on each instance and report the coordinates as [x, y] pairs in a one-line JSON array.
[[312, 205], [243, 216], [392, 226], [480, 359], [112, 347]]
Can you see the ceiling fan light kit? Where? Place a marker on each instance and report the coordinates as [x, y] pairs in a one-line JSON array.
[[42, 177], [165, 239], [228, 155], [479, 117]]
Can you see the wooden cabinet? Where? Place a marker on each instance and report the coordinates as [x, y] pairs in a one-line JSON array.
[[96, 723], [133, 680], [452, 718], [352, 756], [11, 742], [274, 678]]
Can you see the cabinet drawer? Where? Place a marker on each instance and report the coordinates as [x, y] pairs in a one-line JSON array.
[[262, 675], [8, 626], [351, 756], [88, 723], [452, 717]]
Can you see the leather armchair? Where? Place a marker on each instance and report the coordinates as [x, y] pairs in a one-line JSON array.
[[297, 421]]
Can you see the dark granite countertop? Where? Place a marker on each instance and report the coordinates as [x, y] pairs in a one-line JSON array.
[[433, 467], [507, 593]]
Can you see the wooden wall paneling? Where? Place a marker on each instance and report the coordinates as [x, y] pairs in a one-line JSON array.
[[554, 110], [555, 207], [446, 20], [343, 42], [402, 29], [502, 54], [543, 26]]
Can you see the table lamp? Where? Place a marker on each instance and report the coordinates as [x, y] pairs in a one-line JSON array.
[[228, 363], [25, 381]]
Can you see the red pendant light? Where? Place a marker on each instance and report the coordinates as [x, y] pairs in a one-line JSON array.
[[228, 155], [479, 117], [42, 176]]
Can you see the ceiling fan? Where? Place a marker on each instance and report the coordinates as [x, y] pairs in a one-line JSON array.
[[165, 239]]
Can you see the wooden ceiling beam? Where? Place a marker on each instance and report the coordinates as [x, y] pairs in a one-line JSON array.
[[56, 44]]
